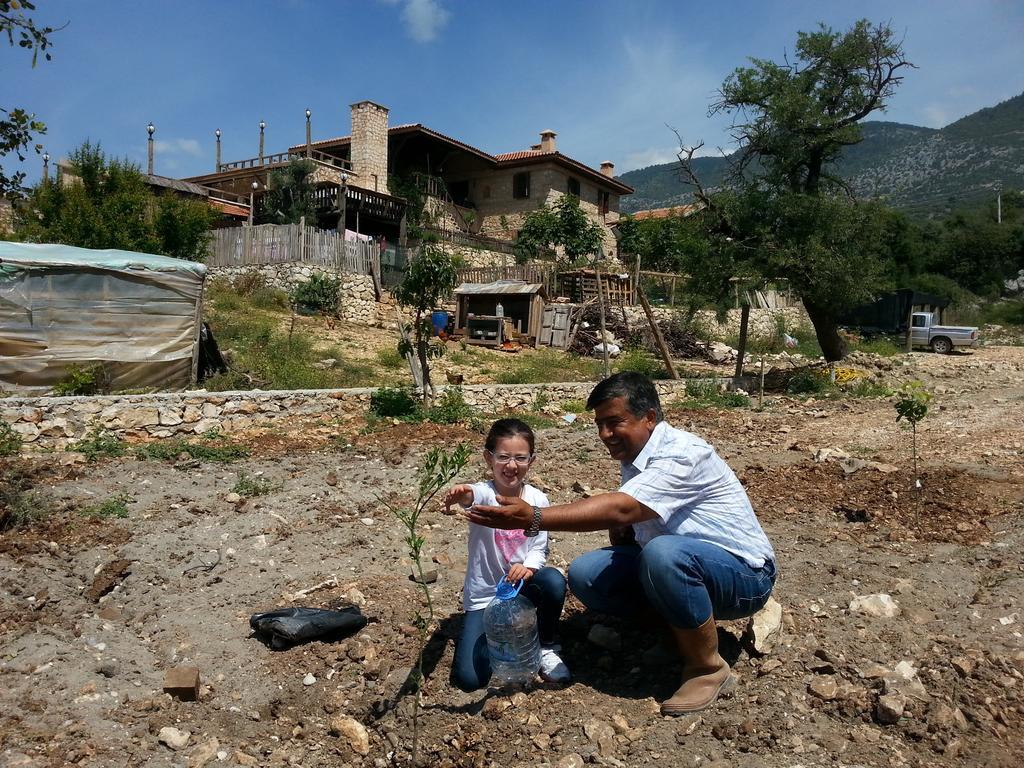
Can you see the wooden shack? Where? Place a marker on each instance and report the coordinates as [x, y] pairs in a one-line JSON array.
[[522, 305]]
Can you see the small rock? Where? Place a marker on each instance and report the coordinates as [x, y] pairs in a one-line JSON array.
[[173, 738], [605, 637], [353, 731], [619, 723], [890, 708], [428, 577], [309, 679], [495, 707], [764, 626], [203, 754], [572, 760], [331, 479], [824, 687], [964, 665], [882, 606], [233, 498], [598, 731]]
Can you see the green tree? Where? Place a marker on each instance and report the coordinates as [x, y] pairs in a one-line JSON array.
[[109, 205], [429, 278], [791, 121], [289, 196], [562, 225], [17, 126]]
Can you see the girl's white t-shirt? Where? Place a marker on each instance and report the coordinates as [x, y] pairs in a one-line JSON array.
[[492, 551]]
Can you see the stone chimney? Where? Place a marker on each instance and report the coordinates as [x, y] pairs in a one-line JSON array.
[[608, 169], [547, 140], [369, 148]]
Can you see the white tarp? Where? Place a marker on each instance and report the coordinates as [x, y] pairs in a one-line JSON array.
[[137, 315]]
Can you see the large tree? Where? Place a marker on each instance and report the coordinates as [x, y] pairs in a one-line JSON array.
[[563, 225], [18, 126], [791, 121], [289, 197], [109, 205]]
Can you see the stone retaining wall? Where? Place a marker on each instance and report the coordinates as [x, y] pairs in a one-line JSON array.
[[356, 299], [763, 322], [54, 423]]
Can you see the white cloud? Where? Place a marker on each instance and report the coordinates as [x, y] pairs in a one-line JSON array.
[[173, 147], [424, 19]]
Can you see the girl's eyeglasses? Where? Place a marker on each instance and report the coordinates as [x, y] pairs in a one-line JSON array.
[[505, 458]]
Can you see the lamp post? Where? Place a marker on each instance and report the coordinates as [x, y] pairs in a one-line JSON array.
[[309, 147], [217, 134], [150, 129], [262, 126], [252, 199], [46, 167], [342, 190]]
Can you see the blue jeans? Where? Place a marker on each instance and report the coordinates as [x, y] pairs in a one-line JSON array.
[[471, 668], [686, 581]]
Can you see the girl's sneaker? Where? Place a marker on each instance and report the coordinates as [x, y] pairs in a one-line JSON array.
[[552, 668]]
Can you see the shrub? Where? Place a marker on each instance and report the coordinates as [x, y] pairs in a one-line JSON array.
[[574, 406], [809, 381], [18, 507], [708, 393], [210, 448], [394, 403], [269, 298], [99, 442], [253, 486], [319, 293], [80, 380], [247, 283], [116, 506], [10, 441], [390, 358], [640, 361], [450, 408]]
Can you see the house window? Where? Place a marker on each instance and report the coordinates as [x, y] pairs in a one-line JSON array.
[[521, 185], [574, 186], [602, 201]]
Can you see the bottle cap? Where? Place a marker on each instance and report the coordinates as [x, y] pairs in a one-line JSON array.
[[506, 590]]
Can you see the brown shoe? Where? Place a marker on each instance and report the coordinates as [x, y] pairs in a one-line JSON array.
[[699, 692], [706, 675]]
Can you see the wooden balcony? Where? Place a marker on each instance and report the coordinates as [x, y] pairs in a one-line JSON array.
[[283, 158]]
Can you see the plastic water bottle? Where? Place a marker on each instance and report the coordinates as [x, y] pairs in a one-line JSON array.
[[510, 623]]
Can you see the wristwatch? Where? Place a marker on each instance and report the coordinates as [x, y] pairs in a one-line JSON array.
[[534, 528]]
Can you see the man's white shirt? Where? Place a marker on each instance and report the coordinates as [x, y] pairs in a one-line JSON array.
[[694, 493]]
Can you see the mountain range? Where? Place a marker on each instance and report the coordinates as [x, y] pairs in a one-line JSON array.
[[923, 171]]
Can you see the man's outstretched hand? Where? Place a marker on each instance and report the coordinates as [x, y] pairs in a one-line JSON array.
[[512, 513]]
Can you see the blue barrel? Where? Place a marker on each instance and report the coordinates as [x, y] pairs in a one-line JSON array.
[[439, 321]]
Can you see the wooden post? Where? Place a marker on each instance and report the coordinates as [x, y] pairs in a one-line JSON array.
[[744, 324], [672, 296], [302, 239], [600, 304], [636, 279], [658, 338], [910, 325], [760, 393]]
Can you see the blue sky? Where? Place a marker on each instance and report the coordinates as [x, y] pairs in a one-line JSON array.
[[609, 77]]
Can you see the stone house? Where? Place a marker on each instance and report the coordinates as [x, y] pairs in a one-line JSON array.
[[480, 199]]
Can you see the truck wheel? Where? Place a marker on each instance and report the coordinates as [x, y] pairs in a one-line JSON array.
[[942, 345]]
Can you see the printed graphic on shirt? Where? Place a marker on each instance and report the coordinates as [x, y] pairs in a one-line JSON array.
[[509, 542]]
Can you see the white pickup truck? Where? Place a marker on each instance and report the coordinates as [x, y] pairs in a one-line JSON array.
[[941, 338]]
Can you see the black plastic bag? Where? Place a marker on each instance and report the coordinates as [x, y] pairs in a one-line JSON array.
[[286, 627]]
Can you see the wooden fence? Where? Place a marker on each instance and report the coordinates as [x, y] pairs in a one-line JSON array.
[[282, 243], [545, 274]]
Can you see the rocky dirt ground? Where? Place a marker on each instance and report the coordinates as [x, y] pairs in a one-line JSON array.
[[93, 612]]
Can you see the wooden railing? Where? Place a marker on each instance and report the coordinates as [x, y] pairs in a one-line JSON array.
[[282, 243], [283, 158]]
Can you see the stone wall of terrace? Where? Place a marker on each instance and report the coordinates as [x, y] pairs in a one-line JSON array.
[[56, 423]]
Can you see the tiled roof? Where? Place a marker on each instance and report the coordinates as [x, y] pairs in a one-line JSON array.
[[231, 209], [665, 213], [539, 155]]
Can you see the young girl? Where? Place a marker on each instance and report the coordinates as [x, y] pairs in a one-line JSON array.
[[495, 555]]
